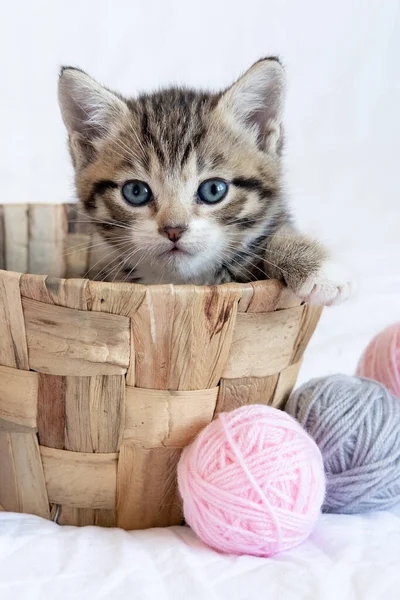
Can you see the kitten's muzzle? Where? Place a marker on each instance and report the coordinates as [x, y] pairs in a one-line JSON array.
[[173, 233]]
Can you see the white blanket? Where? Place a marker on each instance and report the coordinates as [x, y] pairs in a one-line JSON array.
[[342, 153], [346, 558]]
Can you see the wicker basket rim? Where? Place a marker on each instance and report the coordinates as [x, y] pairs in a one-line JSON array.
[[267, 284]]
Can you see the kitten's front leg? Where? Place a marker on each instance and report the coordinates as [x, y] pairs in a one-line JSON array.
[[306, 268]]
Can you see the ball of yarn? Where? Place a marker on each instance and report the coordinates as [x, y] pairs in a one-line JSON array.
[[252, 482], [356, 425], [381, 359]]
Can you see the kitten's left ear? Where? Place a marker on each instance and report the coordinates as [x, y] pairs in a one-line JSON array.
[[90, 112], [87, 108], [256, 100]]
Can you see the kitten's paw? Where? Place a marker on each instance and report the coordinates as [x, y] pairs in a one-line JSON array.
[[327, 287]]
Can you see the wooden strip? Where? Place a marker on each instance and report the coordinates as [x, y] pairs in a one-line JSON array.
[[9, 493], [105, 518], [79, 479], [286, 382], [288, 299], [34, 287], [107, 412], [182, 336], [79, 240], [95, 410], [76, 294], [234, 393], [147, 488], [265, 297], [2, 240], [22, 485], [51, 411], [167, 418], [16, 229], [18, 396], [310, 318], [47, 236], [152, 334], [15, 427], [263, 343], [13, 348], [95, 413], [78, 220], [273, 390], [63, 341], [197, 327], [82, 517], [77, 254], [121, 299], [115, 298], [29, 473], [203, 324], [78, 434], [247, 293], [71, 293]]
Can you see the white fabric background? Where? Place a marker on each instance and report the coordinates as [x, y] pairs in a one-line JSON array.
[[342, 157], [346, 558]]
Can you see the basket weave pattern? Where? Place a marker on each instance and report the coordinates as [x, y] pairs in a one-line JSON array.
[[103, 384]]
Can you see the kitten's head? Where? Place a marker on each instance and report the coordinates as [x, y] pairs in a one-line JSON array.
[[178, 181]]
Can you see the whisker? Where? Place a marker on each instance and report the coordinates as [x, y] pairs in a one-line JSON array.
[[119, 258], [263, 259], [99, 261], [118, 268], [136, 265], [230, 258], [113, 223], [264, 249], [84, 246], [141, 147]]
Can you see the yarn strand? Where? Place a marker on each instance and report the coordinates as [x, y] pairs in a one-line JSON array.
[[356, 424], [252, 482]]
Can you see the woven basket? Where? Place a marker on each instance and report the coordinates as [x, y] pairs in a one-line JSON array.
[[103, 384]]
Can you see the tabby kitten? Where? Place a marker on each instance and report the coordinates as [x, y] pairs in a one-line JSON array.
[[185, 186]]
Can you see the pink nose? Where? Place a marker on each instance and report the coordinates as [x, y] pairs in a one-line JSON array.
[[173, 233]]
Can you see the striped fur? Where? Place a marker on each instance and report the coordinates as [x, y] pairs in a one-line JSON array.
[[173, 140]]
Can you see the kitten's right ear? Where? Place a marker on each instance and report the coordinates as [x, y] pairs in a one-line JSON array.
[[87, 107], [256, 101]]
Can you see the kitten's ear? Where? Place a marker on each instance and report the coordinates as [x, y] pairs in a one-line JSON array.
[[256, 100], [87, 108]]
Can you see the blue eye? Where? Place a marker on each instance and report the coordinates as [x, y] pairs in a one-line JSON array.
[[136, 192], [212, 190]]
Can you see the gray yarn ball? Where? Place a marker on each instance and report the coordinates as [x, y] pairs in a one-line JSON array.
[[356, 425]]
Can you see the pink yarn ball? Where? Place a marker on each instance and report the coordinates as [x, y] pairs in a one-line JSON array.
[[381, 359], [252, 482]]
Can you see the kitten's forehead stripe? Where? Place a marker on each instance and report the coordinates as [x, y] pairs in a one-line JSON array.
[[252, 183], [186, 153], [104, 184], [217, 160], [172, 123], [150, 139], [119, 213], [98, 189]]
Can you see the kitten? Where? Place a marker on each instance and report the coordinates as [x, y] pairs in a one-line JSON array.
[[186, 186]]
